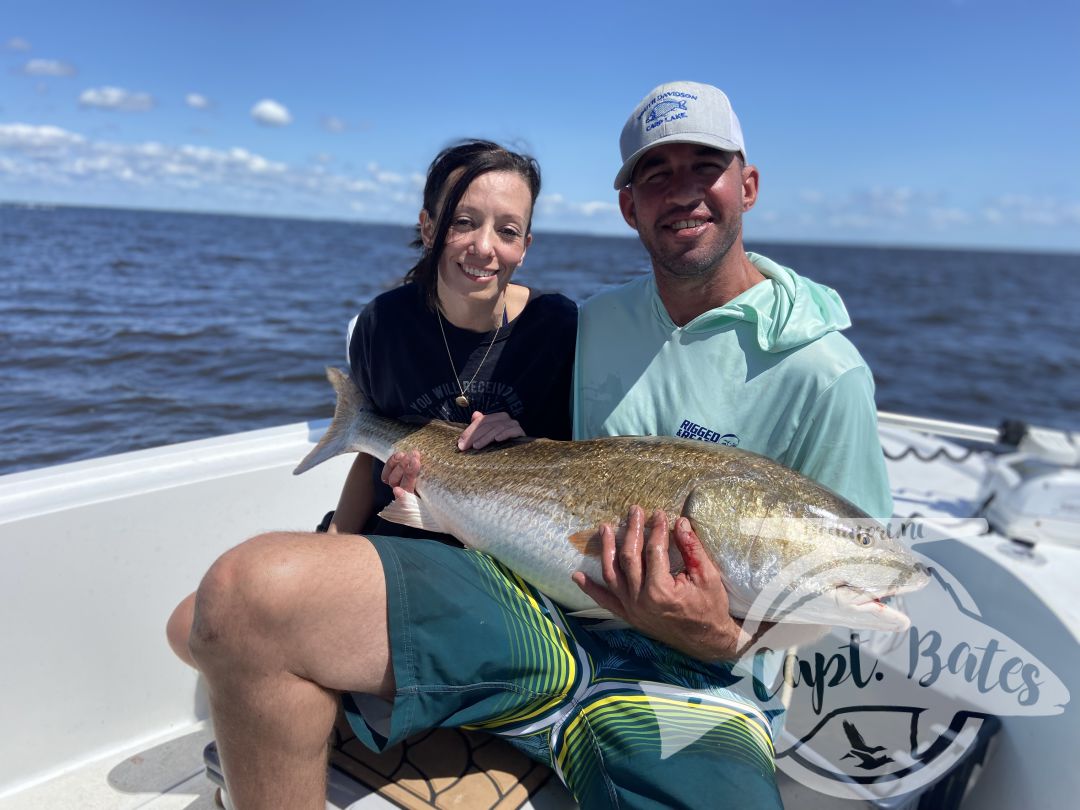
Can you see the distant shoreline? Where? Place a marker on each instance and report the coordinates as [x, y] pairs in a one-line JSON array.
[[751, 241]]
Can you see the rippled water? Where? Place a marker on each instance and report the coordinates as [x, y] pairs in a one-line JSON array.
[[128, 329]]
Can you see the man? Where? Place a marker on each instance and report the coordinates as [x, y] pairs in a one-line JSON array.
[[719, 344], [420, 634]]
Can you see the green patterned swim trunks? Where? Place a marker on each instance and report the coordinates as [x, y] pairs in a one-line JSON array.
[[623, 720]]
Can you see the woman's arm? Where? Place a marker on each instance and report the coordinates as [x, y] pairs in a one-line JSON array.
[[357, 497]]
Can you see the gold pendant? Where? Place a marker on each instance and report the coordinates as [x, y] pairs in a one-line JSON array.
[[462, 400]]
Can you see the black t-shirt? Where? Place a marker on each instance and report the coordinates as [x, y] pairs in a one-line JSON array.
[[399, 361]]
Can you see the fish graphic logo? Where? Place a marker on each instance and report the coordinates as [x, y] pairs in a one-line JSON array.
[[663, 108]]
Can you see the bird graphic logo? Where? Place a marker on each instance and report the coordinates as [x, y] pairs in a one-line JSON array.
[[863, 752]]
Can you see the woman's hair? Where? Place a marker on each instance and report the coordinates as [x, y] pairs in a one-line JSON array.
[[473, 158]]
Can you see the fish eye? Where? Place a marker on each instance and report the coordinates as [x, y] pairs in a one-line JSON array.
[[865, 539]]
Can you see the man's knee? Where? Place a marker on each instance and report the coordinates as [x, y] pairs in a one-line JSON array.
[[256, 594], [245, 592], [178, 629]]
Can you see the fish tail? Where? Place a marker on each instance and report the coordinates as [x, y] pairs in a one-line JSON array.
[[338, 437]]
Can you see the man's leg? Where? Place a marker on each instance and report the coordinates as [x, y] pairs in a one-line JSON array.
[[282, 623], [178, 629]]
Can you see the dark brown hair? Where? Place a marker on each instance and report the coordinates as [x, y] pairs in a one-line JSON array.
[[474, 157]]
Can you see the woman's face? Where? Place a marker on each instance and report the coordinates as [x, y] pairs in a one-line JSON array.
[[487, 238]]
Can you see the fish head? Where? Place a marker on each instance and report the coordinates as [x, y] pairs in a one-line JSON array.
[[834, 564], [804, 555]]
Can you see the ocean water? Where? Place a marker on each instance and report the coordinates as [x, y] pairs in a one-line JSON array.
[[121, 329]]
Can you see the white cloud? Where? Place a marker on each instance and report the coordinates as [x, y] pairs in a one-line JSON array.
[[1024, 209], [48, 67], [17, 44], [873, 210], [945, 218], [30, 137], [887, 202], [331, 123], [591, 209], [556, 206], [852, 221], [909, 214], [73, 167], [271, 114], [197, 101], [384, 177], [116, 98]]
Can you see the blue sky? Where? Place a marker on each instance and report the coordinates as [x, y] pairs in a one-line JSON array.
[[904, 122]]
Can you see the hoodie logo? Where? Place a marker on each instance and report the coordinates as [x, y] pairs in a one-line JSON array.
[[692, 430]]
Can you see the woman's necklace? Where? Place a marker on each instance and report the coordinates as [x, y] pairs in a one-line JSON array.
[[462, 400]]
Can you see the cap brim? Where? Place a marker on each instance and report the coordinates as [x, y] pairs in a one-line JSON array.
[[704, 139]]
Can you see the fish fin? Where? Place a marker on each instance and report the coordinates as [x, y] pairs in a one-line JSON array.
[[409, 510], [336, 439], [587, 541], [595, 613], [838, 607]]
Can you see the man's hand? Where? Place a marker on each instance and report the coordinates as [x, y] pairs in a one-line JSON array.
[[688, 610], [485, 428]]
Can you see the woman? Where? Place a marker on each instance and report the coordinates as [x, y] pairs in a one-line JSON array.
[[457, 340]]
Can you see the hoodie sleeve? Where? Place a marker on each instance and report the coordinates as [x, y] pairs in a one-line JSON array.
[[837, 444]]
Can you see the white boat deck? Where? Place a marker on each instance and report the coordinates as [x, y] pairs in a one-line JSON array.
[[68, 719], [167, 774]]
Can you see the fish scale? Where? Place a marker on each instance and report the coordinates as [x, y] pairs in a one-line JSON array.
[[536, 504]]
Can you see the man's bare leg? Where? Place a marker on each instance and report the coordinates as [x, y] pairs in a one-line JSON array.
[[282, 624], [178, 629]]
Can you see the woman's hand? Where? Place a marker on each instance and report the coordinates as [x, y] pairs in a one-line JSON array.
[[486, 428], [401, 471]]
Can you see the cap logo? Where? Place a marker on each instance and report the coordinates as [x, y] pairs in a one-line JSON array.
[[665, 108]]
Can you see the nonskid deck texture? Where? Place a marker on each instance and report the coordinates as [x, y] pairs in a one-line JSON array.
[[446, 768], [441, 768]]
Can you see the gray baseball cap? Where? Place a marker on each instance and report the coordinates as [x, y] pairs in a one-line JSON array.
[[679, 112]]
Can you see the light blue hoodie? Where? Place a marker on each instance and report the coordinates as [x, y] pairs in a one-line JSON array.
[[769, 372]]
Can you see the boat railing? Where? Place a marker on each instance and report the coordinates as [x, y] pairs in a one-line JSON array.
[[1059, 447]]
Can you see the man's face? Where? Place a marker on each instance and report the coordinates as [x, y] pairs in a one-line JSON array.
[[686, 202]]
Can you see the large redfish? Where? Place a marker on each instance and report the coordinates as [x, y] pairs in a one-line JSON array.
[[789, 549]]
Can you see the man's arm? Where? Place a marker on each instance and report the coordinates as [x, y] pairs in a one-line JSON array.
[[838, 446]]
